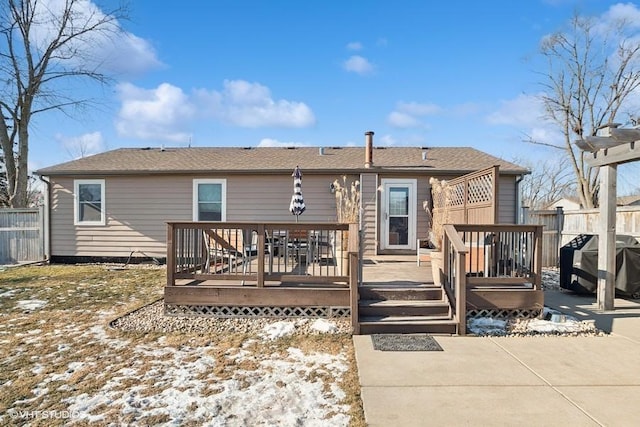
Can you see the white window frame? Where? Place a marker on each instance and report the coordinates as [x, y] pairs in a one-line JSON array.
[[196, 183], [76, 202]]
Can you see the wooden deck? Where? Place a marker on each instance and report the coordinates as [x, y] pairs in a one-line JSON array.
[[281, 269]]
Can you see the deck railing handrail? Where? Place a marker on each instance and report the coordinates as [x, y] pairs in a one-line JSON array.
[[455, 275], [307, 258], [191, 247], [490, 255]]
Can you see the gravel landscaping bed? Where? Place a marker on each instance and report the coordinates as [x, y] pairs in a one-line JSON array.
[[151, 318]]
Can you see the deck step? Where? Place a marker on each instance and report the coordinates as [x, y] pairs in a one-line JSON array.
[[401, 293], [407, 325], [403, 308]]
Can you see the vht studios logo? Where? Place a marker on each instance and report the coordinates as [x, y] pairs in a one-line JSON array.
[[18, 414]]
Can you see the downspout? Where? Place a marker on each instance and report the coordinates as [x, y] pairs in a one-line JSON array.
[[46, 232], [518, 213]]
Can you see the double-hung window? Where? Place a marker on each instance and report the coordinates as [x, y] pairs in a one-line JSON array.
[[89, 207], [209, 200]]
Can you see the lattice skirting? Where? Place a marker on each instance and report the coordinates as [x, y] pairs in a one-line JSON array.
[[254, 311], [517, 313]]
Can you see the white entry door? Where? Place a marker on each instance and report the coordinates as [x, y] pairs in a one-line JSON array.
[[398, 225]]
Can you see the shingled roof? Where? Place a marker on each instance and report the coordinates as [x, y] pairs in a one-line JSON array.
[[197, 160]]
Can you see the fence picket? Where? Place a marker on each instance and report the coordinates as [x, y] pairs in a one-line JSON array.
[[21, 236]]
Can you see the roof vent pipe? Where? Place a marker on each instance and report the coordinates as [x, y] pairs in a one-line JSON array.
[[321, 151], [424, 155], [368, 153]]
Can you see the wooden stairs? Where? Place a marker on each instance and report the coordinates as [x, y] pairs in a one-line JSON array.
[[405, 309]]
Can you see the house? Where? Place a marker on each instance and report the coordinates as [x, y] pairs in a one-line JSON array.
[[115, 205], [568, 203], [572, 203]]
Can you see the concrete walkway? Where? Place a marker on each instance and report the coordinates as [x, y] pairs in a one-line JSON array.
[[508, 381]]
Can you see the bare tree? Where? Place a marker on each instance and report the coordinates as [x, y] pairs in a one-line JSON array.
[[548, 182], [591, 78], [43, 46]]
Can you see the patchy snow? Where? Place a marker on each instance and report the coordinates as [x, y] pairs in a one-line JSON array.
[[278, 330], [31, 304], [279, 389], [551, 322], [487, 326], [9, 293], [323, 326]]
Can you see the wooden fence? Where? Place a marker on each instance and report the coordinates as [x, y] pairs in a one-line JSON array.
[[21, 235], [561, 226]]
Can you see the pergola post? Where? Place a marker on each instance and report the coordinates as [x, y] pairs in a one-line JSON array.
[[614, 146], [607, 238]]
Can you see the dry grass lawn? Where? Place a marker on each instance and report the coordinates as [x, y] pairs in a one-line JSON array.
[[59, 358]]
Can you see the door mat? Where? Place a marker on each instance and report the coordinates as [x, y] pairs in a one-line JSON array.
[[404, 342]]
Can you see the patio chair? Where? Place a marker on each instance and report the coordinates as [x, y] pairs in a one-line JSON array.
[[219, 248], [249, 250], [298, 244], [322, 246]]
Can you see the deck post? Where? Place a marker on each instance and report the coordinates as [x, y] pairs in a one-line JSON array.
[[537, 261], [354, 294], [607, 238], [261, 245], [171, 258], [461, 293]]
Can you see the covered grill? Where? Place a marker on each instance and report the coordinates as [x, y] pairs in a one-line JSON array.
[[579, 265]]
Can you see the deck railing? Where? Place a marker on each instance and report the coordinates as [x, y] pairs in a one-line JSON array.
[[286, 264], [255, 253], [490, 257]]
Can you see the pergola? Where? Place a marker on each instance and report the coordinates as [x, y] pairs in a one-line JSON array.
[[614, 147]]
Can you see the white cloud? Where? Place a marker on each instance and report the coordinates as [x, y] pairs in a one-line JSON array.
[[526, 114], [268, 142], [167, 112], [524, 110], [162, 113], [108, 48], [408, 114], [245, 104], [129, 54], [354, 46], [627, 13], [402, 120], [358, 64], [83, 145]]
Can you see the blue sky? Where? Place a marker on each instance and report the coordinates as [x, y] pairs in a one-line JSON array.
[[320, 73]]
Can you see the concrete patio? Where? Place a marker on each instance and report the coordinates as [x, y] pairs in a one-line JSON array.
[[500, 381]]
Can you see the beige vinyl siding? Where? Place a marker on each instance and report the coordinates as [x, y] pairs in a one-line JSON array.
[[137, 209], [369, 201], [423, 195], [507, 199], [267, 197]]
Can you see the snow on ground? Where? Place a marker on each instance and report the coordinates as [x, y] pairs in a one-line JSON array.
[[31, 304], [157, 382], [274, 389], [152, 380], [552, 322], [278, 330]]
